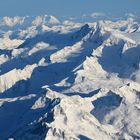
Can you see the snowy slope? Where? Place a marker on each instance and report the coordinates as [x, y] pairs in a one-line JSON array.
[[69, 81]]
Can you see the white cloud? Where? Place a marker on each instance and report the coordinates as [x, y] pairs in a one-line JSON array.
[[131, 15], [68, 23], [96, 14]]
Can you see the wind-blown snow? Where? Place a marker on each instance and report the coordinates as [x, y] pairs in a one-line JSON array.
[[69, 80]]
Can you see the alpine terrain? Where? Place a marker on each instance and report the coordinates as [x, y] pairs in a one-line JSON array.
[[66, 80]]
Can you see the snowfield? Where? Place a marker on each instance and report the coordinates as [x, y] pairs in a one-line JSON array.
[[68, 80]]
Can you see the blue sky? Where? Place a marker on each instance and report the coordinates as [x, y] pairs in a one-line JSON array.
[[68, 7]]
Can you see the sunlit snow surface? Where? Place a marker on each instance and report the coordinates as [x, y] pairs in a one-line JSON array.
[[71, 81]]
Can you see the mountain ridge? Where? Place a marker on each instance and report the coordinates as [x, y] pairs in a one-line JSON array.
[[76, 81]]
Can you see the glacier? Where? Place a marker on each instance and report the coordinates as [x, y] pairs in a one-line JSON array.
[[68, 80]]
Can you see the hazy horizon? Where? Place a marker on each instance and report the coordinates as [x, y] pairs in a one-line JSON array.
[[72, 8]]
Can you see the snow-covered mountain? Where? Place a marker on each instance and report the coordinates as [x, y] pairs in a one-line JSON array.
[[63, 80]]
